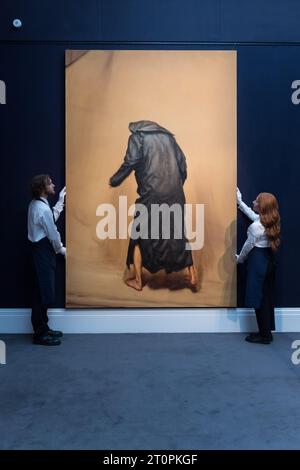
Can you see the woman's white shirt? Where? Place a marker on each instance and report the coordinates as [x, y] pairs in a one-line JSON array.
[[256, 234]]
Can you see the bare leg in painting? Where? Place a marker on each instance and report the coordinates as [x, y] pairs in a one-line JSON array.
[[136, 282], [193, 275]]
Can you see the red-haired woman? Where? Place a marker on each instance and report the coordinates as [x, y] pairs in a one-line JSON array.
[[263, 239]]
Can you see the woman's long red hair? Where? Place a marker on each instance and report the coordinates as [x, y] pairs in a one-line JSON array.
[[270, 218]]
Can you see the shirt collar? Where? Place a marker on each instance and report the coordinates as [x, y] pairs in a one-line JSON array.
[[45, 200]]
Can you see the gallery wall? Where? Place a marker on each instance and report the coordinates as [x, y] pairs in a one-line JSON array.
[[264, 34]]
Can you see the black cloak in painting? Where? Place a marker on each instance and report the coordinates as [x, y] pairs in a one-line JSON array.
[[160, 172]]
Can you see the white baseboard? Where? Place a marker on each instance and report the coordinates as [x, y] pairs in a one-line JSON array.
[[204, 320]]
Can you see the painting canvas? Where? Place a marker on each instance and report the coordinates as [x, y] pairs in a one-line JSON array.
[[151, 178]]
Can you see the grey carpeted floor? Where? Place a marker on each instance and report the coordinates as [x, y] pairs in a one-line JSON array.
[[150, 391]]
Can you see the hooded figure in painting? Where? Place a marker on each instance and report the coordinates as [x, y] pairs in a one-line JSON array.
[[160, 172]]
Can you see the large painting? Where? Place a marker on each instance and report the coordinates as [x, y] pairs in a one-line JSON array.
[[151, 178]]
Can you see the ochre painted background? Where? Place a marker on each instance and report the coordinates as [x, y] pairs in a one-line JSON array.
[[192, 94]]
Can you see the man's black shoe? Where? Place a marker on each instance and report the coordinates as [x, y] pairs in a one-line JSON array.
[[258, 339], [55, 334], [46, 340]]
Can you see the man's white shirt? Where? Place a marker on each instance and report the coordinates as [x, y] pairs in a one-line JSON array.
[[41, 223]]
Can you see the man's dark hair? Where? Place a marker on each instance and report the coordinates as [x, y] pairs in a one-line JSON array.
[[38, 185]]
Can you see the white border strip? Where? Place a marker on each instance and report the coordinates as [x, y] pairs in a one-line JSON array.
[[204, 320]]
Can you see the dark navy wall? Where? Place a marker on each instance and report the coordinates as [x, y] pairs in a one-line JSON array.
[[266, 36], [152, 20]]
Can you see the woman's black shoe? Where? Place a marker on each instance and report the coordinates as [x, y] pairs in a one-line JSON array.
[[257, 334], [46, 340], [259, 339]]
